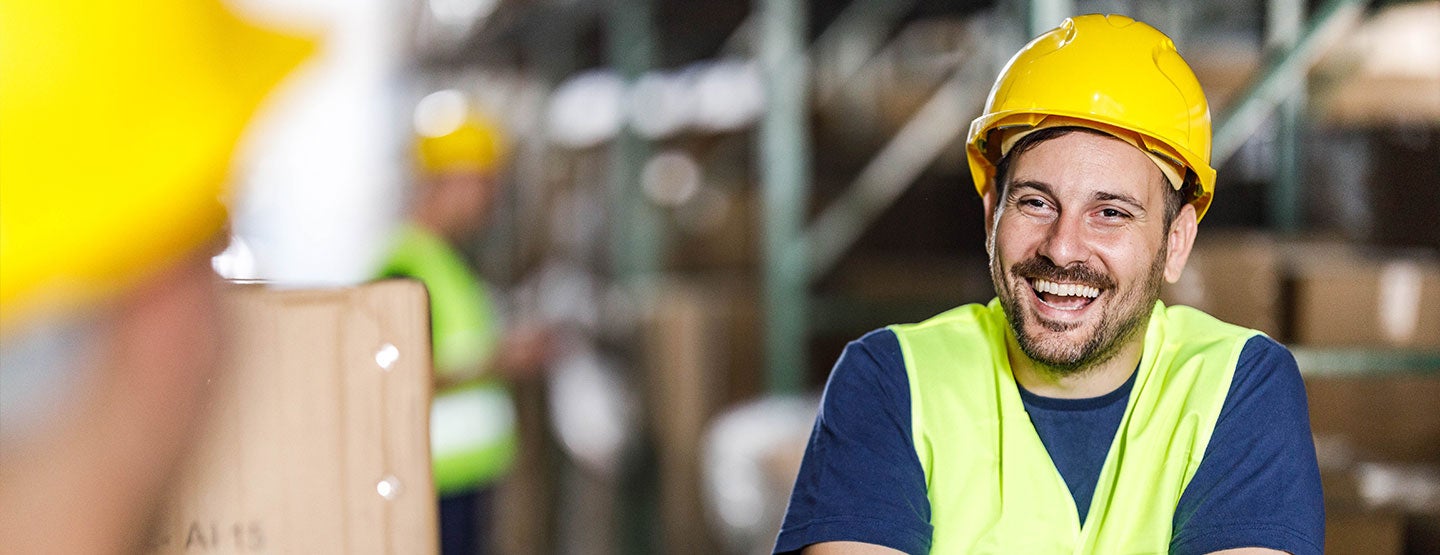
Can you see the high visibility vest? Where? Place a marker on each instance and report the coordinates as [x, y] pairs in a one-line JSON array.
[[473, 438], [991, 483]]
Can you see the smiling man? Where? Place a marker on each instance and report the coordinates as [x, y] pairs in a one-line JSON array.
[[1074, 413]]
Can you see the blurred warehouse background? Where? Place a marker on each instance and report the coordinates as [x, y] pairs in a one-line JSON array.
[[706, 199], [718, 195]]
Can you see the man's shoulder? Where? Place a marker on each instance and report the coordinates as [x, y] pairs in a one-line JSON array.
[[1256, 344], [1198, 324], [1259, 483], [1263, 359], [1191, 332], [878, 350]]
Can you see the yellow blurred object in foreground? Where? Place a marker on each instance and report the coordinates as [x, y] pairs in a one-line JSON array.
[[119, 122]]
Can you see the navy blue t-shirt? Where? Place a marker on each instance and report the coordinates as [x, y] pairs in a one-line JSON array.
[[1258, 485]]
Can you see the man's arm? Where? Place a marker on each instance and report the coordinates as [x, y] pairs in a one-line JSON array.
[[1259, 483], [521, 355], [850, 548], [861, 480]]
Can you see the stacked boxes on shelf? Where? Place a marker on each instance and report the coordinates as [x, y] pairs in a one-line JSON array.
[[1377, 426]]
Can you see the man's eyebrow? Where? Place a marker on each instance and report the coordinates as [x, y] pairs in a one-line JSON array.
[[1040, 186], [1045, 189], [1120, 197]]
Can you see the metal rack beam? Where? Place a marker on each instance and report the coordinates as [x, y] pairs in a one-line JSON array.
[[923, 138], [1044, 15], [852, 40], [637, 239], [1365, 362], [1284, 20], [785, 181], [635, 245], [1281, 76]]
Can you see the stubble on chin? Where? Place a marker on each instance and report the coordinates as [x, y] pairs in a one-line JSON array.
[[1110, 332]]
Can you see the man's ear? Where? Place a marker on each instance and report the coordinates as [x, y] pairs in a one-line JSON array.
[[991, 199], [1179, 241]]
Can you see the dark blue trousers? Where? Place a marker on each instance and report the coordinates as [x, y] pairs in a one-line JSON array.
[[465, 522]]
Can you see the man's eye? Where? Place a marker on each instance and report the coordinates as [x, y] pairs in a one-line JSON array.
[[1112, 213]]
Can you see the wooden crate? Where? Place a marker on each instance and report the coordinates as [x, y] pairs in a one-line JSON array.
[[318, 432]]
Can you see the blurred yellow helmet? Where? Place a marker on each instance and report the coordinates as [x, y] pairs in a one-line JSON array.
[[1110, 73], [472, 142], [119, 121]]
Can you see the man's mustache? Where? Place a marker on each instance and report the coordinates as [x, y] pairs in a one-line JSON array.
[[1080, 273]]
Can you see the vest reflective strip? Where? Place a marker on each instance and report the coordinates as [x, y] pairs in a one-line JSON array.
[[992, 485], [472, 436]]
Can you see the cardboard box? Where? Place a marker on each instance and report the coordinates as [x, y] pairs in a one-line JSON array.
[[684, 344], [318, 435], [1377, 418], [1378, 440], [716, 230], [1345, 298], [1234, 276], [1364, 533]]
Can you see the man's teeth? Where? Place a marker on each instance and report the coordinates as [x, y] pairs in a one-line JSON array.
[[1066, 289]]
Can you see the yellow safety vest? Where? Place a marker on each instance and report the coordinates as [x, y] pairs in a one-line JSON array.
[[991, 484], [473, 439]]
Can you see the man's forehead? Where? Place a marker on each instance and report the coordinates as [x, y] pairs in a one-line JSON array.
[[1093, 164], [1173, 171]]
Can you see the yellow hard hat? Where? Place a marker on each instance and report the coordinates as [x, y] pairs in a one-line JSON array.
[[473, 143], [119, 121], [1107, 72]]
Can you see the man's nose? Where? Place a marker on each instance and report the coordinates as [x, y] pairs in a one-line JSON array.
[[1065, 242]]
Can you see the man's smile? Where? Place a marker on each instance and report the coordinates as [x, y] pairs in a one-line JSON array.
[[1064, 296]]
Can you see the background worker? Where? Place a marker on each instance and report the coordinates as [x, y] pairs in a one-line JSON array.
[[472, 421], [111, 210], [1074, 413]]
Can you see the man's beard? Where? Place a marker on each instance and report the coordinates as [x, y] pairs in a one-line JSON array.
[[1122, 318]]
